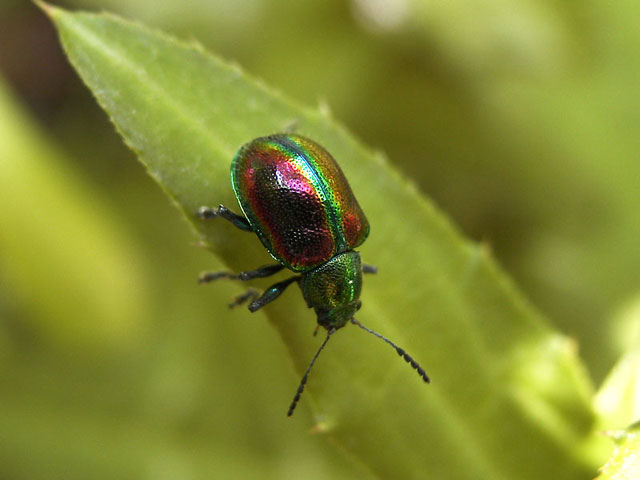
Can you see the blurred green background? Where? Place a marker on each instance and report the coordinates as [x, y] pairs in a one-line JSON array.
[[520, 119]]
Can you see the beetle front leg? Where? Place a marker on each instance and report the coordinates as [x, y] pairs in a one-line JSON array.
[[271, 293], [369, 268], [204, 213]]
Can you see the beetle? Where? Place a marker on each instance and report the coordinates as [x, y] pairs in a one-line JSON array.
[[295, 198]]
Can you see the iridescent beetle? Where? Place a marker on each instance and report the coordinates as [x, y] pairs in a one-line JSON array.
[[296, 199]]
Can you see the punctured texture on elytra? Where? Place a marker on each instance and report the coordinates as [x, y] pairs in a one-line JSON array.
[[297, 200]]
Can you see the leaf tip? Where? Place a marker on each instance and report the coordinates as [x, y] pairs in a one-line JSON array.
[[48, 9]]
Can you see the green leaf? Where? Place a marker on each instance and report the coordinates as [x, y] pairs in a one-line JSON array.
[[618, 399], [508, 398], [624, 463]]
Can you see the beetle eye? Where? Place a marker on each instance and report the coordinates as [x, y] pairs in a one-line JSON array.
[[358, 305]]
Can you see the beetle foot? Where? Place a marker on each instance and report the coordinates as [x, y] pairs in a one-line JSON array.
[[369, 268], [239, 221], [205, 213], [206, 277], [250, 295]]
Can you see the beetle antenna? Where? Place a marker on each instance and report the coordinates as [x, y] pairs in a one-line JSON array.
[[292, 407], [407, 358]]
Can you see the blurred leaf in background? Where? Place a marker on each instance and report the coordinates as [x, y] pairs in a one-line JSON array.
[[624, 463], [618, 400], [51, 260]]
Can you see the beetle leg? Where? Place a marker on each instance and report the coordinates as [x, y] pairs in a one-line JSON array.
[[249, 295], [369, 268], [239, 221], [271, 293], [261, 272]]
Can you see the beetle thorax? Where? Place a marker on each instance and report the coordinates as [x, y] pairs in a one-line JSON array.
[[333, 289]]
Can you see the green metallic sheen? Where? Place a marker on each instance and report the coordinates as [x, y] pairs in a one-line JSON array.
[[333, 289]]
